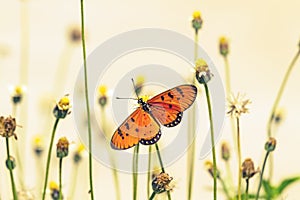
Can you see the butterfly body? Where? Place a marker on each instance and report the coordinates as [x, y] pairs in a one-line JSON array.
[[143, 125]]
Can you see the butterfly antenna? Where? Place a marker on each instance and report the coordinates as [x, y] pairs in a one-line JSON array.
[[134, 88], [126, 98]]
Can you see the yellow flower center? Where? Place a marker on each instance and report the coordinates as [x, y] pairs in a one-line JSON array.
[[102, 90], [64, 103], [18, 90], [53, 185], [196, 15]]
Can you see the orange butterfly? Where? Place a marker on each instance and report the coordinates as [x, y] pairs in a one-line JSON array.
[[143, 125]]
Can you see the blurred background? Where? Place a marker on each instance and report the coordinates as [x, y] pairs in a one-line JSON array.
[[263, 38]]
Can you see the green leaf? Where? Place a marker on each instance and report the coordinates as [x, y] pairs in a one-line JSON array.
[[285, 183], [269, 189]]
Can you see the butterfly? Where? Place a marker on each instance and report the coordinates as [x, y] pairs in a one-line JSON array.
[[143, 125]]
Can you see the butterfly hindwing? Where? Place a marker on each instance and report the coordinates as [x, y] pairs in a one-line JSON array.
[[138, 127], [168, 106]]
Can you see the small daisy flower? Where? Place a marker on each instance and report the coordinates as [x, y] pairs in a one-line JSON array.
[[62, 107], [17, 94], [102, 90], [238, 105], [54, 190], [203, 74], [197, 21], [38, 145], [78, 154], [223, 46]]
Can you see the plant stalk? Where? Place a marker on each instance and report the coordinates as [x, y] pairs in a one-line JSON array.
[[212, 139], [87, 100]]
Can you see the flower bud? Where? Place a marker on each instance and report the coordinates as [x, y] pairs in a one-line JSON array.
[[225, 151], [11, 163], [270, 144], [223, 46], [197, 21], [203, 74], [62, 148]]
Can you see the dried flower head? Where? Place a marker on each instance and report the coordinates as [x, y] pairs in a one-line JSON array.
[[17, 94], [62, 107], [279, 116], [102, 95], [38, 145], [237, 105], [210, 168], [223, 46], [161, 183], [203, 74], [270, 144], [197, 21], [78, 154], [8, 126], [225, 151], [54, 190], [248, 170], [62, 147], [74, 34]]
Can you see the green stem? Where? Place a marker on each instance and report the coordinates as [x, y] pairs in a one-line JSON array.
[[239, 158], [152, 196], [13, 186], [261, 174], [49, 157], [225, 188], [275, 105], [60, 179], [87, 100], [212, 139], [159, 158], [149, 171], [280, 92], [247, 188], [135, 169], [161, 165]]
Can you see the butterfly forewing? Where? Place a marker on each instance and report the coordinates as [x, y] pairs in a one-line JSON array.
[[138, 127], [168, 106]]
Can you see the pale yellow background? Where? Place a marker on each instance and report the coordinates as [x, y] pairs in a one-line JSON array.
[[263, 39]]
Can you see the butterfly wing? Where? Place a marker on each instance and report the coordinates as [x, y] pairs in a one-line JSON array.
[[138, 127], [168, 107]]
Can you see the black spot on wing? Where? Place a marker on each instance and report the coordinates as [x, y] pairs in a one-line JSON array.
[[152, 140], [170, 95], [176, 121], [162, 98]]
